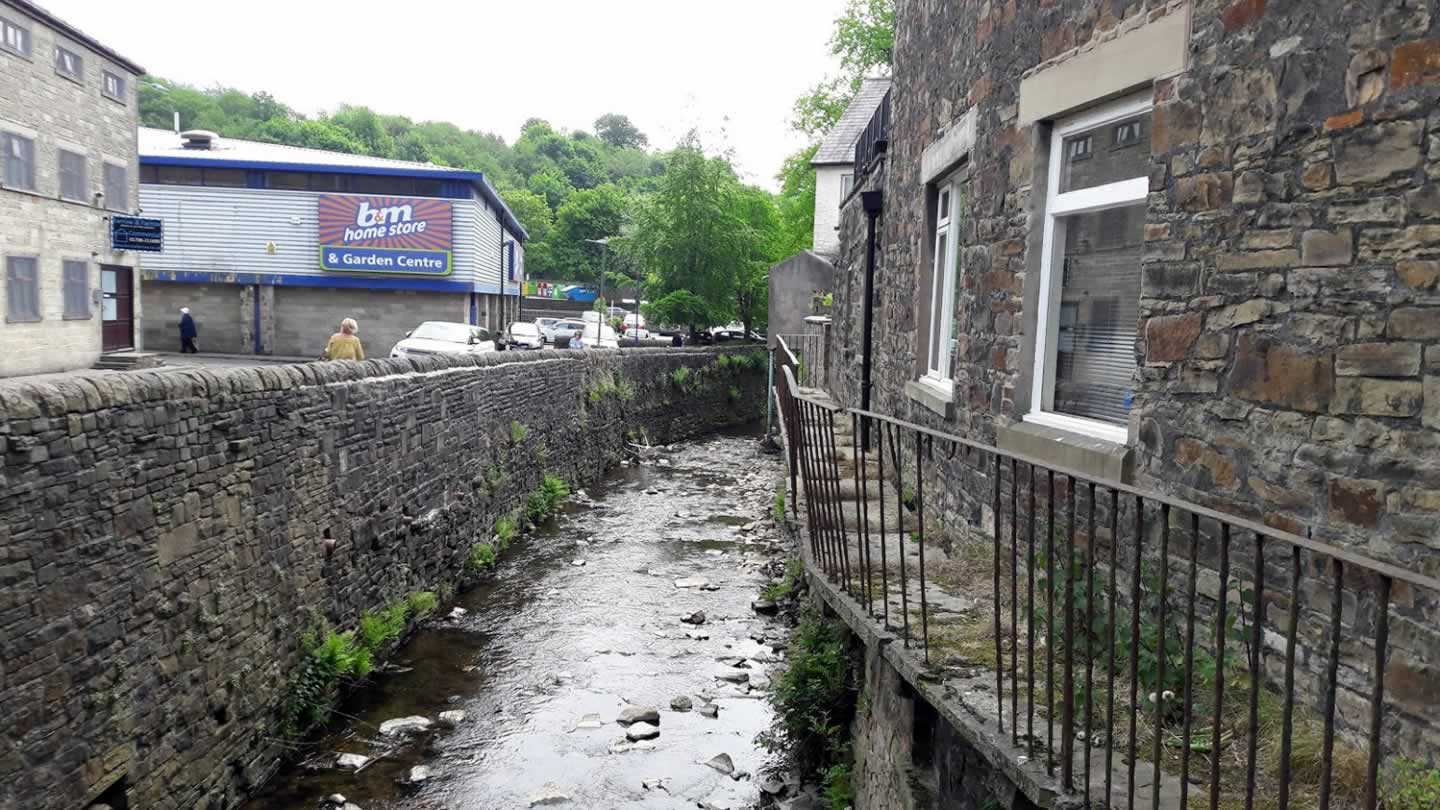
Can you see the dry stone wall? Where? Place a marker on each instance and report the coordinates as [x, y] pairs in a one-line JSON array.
[[166, 537]]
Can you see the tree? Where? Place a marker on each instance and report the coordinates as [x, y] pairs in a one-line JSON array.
[[367, 128], [797, 202], [617, 131], [593, 213], [680, 308], [864, 39]]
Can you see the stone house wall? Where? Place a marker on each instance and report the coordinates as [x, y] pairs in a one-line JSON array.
[[56, 112], [163, 537], [1287, 366]]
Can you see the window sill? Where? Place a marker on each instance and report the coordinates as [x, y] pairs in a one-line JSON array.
[[18, 319], [1084, 453], [74, 317], [937, 397]]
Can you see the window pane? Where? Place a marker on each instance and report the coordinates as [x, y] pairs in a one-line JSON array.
[[180, 175], [17, 39], [288, 180], [937, 299], [114, 86], [72, 175], [21, 288], [117, 187], [227, 178], [19, 161], [1106, 154], [1099, 313], [67, 62], [77, 289]]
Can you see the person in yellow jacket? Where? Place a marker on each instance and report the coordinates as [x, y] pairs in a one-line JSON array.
[[344, 345]]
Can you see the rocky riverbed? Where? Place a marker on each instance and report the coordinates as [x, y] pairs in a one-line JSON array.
[[615, 658]]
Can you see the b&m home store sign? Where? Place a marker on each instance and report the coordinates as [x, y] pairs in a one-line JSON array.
[[385, 235]]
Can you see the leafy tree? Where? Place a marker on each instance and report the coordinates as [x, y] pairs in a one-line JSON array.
[[594, 213], [367, 128], [680, 308], [864, 39], [617, 131], [553, 185], [796, 202]]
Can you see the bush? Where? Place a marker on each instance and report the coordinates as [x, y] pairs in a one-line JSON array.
[[838, 789], [518, 432], [482, 557], [330, 659], [506, 531], [778, 508], [815, 697], [542, 502], [681, 377], [1411, 785], [422, 602]]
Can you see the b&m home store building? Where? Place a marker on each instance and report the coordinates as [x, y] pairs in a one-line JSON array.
[[270, 246]]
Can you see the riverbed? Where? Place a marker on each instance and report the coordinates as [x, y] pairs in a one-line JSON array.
[[580, 619]]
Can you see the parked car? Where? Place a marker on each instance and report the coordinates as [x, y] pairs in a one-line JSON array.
[[543, 324], [605, 340], [562, 329], [444, 337], [617, 312], [524, 335]]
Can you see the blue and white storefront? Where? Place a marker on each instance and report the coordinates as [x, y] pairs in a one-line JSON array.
[[270, 246]]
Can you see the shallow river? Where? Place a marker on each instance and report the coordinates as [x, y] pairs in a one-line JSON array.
[[546, 641]]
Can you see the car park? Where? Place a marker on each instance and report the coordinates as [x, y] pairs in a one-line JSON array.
[[544, 324], [605, 339], [444, 337], [562, 329]]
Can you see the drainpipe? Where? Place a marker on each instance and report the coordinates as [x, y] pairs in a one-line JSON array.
[[872, 202], [259, 340]]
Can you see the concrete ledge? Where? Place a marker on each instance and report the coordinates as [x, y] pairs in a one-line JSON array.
[[940, 156], [931, 398], [1090, 456], [1133, 59]]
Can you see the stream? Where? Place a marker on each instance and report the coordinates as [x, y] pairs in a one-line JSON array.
[[581, 618]]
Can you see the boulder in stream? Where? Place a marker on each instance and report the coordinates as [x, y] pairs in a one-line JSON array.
[[722, 763], [642, 731], [452, 718], [698, 617], [681, 703], [405, 725], [638, 714]]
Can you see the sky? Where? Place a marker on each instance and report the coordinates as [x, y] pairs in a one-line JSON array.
[[731, 69]]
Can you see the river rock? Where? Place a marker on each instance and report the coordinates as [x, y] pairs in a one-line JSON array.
[[681, 703], [405, 725], [764, 607], [759, 680], [638, 714], [709, 710], [578, 563], [350, 762], [452, 718], [722, 763], [642, 731], [458, 612], [733, 675], [548, 796], [698, 617], [697, 635], [692, 582], [772, 786], [415, 776], [590, 721]]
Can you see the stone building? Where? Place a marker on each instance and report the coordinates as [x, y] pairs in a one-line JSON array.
[[270, 246], [1193, 246], [67, 141]]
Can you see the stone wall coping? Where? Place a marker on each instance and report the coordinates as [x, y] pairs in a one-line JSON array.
[[84, 392]]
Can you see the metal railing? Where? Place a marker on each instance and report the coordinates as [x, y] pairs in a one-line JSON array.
[[874, 140], [1120, 612], [807, 351]]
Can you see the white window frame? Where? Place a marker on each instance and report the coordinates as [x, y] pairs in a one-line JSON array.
[[1057, 207], [943, 280], [106, 76], [78, 74], [23, 34]]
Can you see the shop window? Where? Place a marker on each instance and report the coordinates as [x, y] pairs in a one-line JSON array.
[[77, 289], [117, 187], [22, 289], [180, 176], [112, 86], [944, 252], [1089, 302], [288, 181], [322, 181], [19, 155], [224, 178], [14, 37], [72, 175], [68, 63]]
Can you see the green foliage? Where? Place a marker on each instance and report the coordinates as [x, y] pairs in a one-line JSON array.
[[379, 629], [791, 583], [518, 432], [611, 386], [483, 557], [542, 502], [1411, 785], [723, 362], [681, 308], [864, 39], [733, 395], [422, 602], [796, 203], [617, 131], [506, 530], [815, 697], [681, 377], [495, 479], [777, 509], [839, 791]]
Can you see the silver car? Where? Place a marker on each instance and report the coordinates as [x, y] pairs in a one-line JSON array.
[[524, 335], [563, 329]]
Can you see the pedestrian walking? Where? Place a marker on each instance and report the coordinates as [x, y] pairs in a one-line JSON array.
[[187, 332], [344, 345]]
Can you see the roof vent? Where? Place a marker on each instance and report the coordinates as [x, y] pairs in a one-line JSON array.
[[198, 139]]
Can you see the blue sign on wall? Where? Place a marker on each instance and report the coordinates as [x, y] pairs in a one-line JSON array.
[[137, 233]]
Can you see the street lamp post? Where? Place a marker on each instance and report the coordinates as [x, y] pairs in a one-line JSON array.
[[604, 243]]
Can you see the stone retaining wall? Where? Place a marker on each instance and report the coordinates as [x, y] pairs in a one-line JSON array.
[[165, 537]]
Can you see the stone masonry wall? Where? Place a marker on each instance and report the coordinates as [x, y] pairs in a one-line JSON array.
[[1287, 368], [56, 113], [164, 537]]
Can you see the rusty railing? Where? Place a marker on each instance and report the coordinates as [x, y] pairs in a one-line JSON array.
[[1108, 576]]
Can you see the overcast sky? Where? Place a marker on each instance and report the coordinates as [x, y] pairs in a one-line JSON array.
[[732, 68]]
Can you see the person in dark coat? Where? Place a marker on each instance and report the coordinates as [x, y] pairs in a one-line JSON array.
[[187, 332]]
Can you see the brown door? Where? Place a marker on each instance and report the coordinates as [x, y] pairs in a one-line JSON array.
[[117, 308]]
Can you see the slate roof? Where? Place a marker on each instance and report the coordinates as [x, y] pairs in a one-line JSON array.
[[839, 144]]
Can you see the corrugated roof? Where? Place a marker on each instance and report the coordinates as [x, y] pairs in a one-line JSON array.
[[160, 147], [839, 144], [75, 34]]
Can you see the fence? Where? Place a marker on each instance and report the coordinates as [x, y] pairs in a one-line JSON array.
[[875, 139], [807, 353], [1121, 613]]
